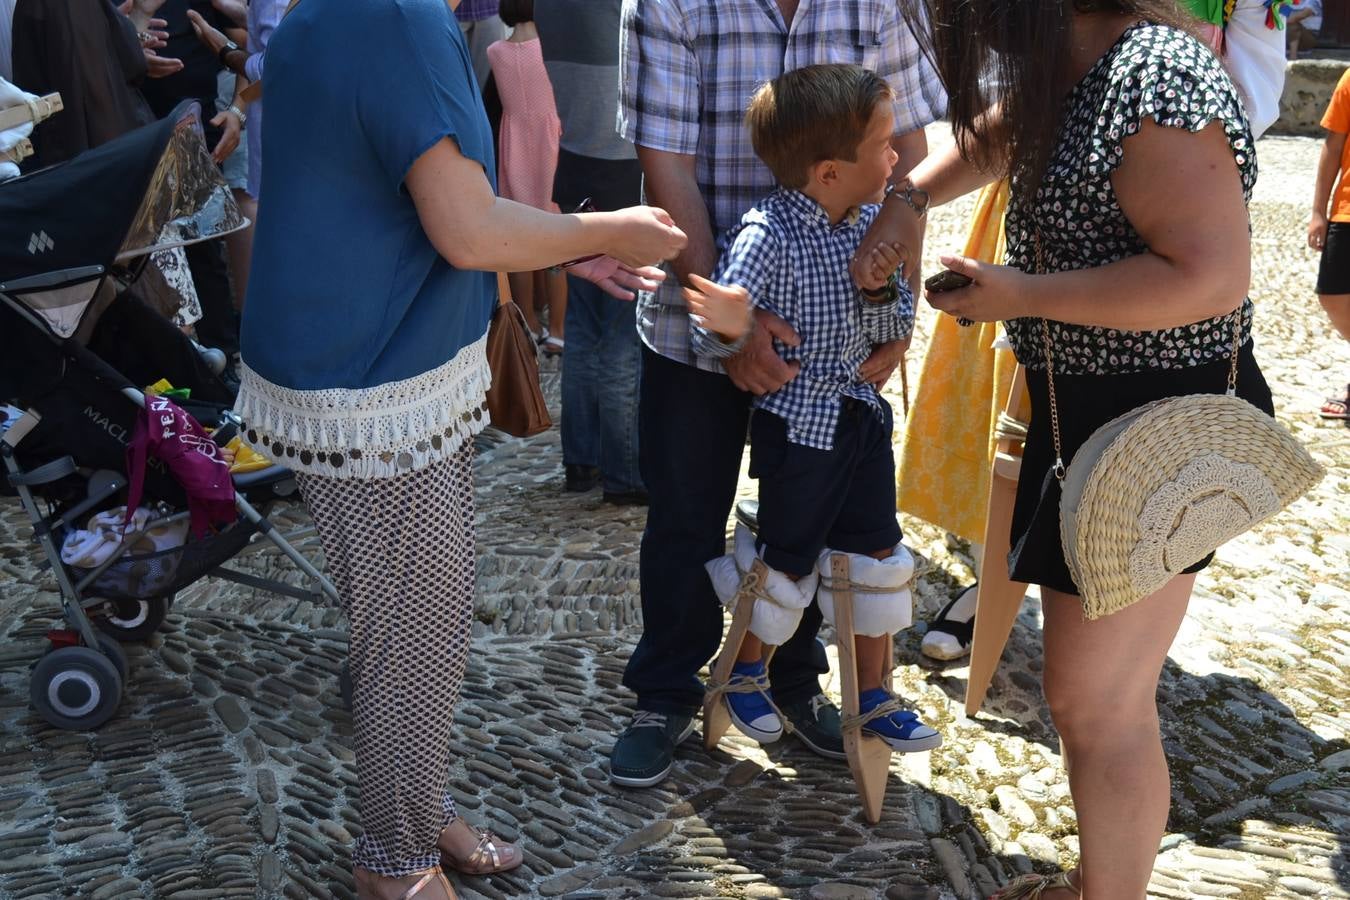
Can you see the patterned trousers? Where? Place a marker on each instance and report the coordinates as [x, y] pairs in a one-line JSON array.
[[401, 554]]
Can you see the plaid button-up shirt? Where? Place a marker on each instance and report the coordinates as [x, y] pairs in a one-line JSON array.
[[688, 70], [477, 10], [794, 264]]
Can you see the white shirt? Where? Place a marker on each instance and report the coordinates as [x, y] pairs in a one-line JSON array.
[[1312, 23]]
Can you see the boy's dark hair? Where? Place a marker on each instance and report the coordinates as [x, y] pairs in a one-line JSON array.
[[513, 12], [813, 114]]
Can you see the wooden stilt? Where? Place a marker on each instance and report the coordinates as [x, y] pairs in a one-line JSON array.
[[716, 719], [869, 758], [998, 600], [42, 109]]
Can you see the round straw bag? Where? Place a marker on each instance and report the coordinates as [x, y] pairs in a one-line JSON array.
[[1158, 489]]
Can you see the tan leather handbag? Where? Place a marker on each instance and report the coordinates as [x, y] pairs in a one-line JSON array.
[[515, 400]]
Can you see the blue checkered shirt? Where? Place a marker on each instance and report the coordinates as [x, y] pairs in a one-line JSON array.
[[794, 264], [688, 70]]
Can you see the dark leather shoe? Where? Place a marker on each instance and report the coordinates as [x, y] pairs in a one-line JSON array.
[[645, 752], [816, 723], [627, 498], [581, 479]]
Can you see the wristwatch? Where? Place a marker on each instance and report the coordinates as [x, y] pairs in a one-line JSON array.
[[887, 293], [916, 198], [229, 46]]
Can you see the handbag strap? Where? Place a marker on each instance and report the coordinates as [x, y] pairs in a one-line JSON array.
[[1060, 469]]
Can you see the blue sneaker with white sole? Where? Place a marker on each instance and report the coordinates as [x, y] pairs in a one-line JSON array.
[[751, 713], [901, 729]]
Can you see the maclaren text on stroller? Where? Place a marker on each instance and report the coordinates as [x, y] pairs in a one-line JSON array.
[[74, 239]]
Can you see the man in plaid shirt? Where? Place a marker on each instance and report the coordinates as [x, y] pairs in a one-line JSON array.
[[688, 70]]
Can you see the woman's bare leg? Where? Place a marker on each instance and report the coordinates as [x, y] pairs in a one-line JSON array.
[[1101, 682]]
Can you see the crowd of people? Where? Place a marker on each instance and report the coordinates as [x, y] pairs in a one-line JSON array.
[[767, 294]]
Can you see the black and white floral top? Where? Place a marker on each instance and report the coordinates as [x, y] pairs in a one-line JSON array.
[[1156, 72]]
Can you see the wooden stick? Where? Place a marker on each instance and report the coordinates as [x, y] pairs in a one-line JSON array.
[[904, 387], [716, 718], [41, 109], [998, 600], [869, 757]]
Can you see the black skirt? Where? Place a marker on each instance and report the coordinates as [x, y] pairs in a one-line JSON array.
[[1086, 402]]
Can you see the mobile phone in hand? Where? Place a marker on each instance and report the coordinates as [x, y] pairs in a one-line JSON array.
[[947, 280]]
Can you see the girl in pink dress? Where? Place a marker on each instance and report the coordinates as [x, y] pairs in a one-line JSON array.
[[528, 156]]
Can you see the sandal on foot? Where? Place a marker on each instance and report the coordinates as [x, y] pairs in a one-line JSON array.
[[1337, 408], [1032, 887], [949, 636], [552, 346], [435, 875], [492, 855]]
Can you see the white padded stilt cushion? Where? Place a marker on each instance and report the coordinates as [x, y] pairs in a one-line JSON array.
[[776, 615], [884, 604]]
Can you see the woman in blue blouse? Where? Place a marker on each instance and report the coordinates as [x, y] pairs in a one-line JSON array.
[[364, 372]]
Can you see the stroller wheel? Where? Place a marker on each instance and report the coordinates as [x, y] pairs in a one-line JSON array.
[[133, 620], [110, 648], [76, 688]]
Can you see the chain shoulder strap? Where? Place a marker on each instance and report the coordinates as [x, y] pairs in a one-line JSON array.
[[1046, 345]]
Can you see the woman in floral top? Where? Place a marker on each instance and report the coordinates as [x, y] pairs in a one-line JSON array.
[[1131, 163]]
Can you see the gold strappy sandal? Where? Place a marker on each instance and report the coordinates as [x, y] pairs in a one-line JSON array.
[[490, 856], [434, 875], [1032, 887]]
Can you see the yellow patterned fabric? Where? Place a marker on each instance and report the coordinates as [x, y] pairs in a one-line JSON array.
[[949, 437]]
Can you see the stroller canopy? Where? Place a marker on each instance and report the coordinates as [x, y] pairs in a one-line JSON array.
[[153, 188]]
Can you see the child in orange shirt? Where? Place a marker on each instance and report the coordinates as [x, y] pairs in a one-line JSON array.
[[1332, 238]]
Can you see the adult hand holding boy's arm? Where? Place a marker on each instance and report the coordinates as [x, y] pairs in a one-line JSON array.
[[758, 368], [878, 368]]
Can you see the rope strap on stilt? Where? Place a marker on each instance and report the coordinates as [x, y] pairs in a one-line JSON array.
[[850, 587], [1010, 429], [880, 711], [745, 684], [752, 587]]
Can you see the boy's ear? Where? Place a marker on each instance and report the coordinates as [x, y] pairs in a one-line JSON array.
[[824, 173]]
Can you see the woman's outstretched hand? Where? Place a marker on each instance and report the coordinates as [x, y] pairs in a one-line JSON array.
[[616, 279], [998, 293], [646, 236]]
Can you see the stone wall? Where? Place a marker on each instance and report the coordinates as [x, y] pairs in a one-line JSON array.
[[1308, 87]]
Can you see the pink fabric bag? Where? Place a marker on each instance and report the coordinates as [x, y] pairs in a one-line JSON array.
[[166, 432]]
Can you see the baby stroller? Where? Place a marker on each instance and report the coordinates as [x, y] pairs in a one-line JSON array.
[[73, 239]]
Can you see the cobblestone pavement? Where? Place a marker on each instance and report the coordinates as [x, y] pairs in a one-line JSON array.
[[228, 770]]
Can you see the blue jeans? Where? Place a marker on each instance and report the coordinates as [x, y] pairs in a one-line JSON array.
[[600, 370]]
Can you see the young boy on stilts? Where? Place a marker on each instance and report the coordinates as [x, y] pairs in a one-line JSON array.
[[820, 446]]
